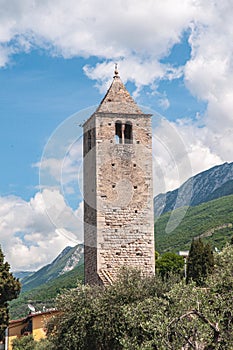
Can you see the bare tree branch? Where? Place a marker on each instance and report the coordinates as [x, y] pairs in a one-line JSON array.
[[203, 318]]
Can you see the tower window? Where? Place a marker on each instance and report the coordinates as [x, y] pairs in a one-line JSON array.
[[118, 132], [128, 133], [123, 132], [89, 140]]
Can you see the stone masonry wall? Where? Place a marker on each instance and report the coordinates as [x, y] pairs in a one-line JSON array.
[[90, 217], [125, 227]]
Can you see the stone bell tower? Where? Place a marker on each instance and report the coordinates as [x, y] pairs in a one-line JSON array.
[[118, 193]]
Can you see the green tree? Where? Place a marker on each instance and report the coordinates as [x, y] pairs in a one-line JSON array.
[[24, 343], [200, 262], [99, 318], [148, 313], [208, 260], [202, 317], [44, 344], [9, 289], [156, 255], [28, 343], [169, 263]]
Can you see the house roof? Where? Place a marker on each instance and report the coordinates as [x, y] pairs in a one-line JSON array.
[[118, 99], [31, 315]]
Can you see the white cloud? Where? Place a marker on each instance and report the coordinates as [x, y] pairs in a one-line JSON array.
[[5, 54], [182, 149], [95, 28], [164, 103], [209, 76], [33, 233], [171, 160], [141, 72], [53, 166], [201, 155], [138, 35]]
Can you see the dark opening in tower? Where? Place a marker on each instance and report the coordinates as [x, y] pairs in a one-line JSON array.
[[89, 141], [118, 131], [128, 133]]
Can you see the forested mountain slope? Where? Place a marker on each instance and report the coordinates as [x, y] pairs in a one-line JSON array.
[[44, 296], [66, 261], [212, 221]]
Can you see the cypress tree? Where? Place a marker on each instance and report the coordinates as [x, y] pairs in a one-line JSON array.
[[200, 262], [9, 289], [208, 260]]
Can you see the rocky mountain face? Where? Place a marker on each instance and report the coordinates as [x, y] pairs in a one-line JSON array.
[[66, 261], [203, 187]]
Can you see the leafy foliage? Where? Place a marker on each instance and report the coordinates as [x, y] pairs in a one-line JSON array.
[[169, 263], [24, 343], [9, 289], [28, 343], [96, 318], [200, 262], [148, 313]]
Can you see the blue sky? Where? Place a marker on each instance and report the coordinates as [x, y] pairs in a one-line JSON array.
[[38, 93], [175, 58]]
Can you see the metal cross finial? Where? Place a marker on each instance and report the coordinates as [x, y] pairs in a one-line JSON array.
[[116, 70]]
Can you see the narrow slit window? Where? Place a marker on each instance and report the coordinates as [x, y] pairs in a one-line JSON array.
[[118, 132], [128, 133], [89, 140]]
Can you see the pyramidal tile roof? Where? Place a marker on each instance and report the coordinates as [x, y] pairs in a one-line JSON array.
[[118, 99]]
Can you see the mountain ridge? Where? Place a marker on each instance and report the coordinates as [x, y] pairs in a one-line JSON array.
[[66, 261], [203, 187]]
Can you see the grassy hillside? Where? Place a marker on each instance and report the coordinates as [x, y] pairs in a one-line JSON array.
[[207, 220], [45, 294]]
